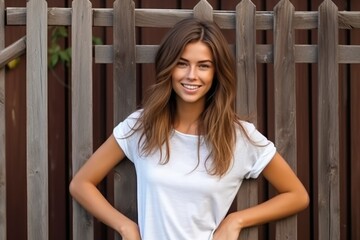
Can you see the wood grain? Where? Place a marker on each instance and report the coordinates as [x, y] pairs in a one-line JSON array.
[[285, 100], [124, 84], [37, 120], [82, 105], [328, 123]]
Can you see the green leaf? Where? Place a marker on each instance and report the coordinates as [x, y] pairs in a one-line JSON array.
[[68, 50], [97, 41], [54, 48], [62, 31], [54, 59], [64, 56]]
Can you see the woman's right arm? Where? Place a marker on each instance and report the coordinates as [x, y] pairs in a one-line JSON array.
[[83, 189]]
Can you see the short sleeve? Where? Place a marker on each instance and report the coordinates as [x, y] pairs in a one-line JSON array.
[[126, 137], [260, 151]]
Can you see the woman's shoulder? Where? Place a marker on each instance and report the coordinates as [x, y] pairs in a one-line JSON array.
[[246, 126], [136, 114], [129, 125], [131, 120]]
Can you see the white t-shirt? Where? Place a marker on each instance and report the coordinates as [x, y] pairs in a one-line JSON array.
[[180, 200]]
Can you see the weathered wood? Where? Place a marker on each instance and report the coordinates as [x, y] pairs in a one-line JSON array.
[[59, 16], [348, 54], [144, 53], [124, 100], [13, 51], [2, 130], [151, 17], [285, 100], [56, 16], [264, 53], [82, 105], [168, 17], [246, 59], [37, 121], [203, 10], [309, 53], [246, 96], [328, 123]]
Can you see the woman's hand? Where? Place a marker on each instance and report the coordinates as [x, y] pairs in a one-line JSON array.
[[291, 198], [229, 229]]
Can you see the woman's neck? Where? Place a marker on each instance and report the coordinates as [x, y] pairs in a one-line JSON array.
[[187, 117]]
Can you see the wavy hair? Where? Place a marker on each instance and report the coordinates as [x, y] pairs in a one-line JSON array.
[[217, 123]]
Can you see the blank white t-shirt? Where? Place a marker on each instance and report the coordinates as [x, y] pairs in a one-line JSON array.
[[179, 200]]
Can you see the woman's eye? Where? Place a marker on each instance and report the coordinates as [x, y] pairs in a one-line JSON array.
[[204, 66], [181, 64]]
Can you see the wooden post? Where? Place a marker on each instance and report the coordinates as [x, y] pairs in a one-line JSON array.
[[285, 99], [2, 130], [203, 10], [328, 123], [246, 96], [82, 107], [125, 89], [37, 121]]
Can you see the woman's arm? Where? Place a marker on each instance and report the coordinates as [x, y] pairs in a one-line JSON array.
[[83, 189], [291, 199]]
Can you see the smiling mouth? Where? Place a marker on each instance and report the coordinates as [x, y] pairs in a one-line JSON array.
[[191, 87]]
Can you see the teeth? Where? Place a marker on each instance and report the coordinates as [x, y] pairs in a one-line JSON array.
[[191, 87]]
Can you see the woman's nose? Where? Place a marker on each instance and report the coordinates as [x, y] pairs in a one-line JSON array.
[[191, 73]]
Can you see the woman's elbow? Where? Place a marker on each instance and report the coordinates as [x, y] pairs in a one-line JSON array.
[[303, 199], [74, 187]]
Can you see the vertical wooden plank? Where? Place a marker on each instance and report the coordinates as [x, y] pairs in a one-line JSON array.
[[2, 130], [344, 131], [285, 99], [37, 120], [124, 59], [328, 123], [246, 96], [125, 88], [82, 105], [246, 103], [203, 10]]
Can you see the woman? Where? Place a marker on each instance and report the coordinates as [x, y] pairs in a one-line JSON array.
[[191, 151]]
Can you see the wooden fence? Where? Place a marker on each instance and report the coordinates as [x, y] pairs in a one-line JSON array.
[[284, 53]]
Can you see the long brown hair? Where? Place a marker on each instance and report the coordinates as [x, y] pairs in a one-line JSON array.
[[218, 122]]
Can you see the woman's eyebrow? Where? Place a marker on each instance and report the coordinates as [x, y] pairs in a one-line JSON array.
[[202, 61], [206, 61]]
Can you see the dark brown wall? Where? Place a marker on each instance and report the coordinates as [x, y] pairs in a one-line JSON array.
[[15, 110], [60, 135]]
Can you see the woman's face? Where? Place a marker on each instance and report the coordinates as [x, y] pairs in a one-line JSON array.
[[193, 75]]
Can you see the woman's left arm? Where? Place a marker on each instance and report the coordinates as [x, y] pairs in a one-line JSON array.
[[292, 197]]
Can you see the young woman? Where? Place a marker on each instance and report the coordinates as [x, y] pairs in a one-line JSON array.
[[190, 150]]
